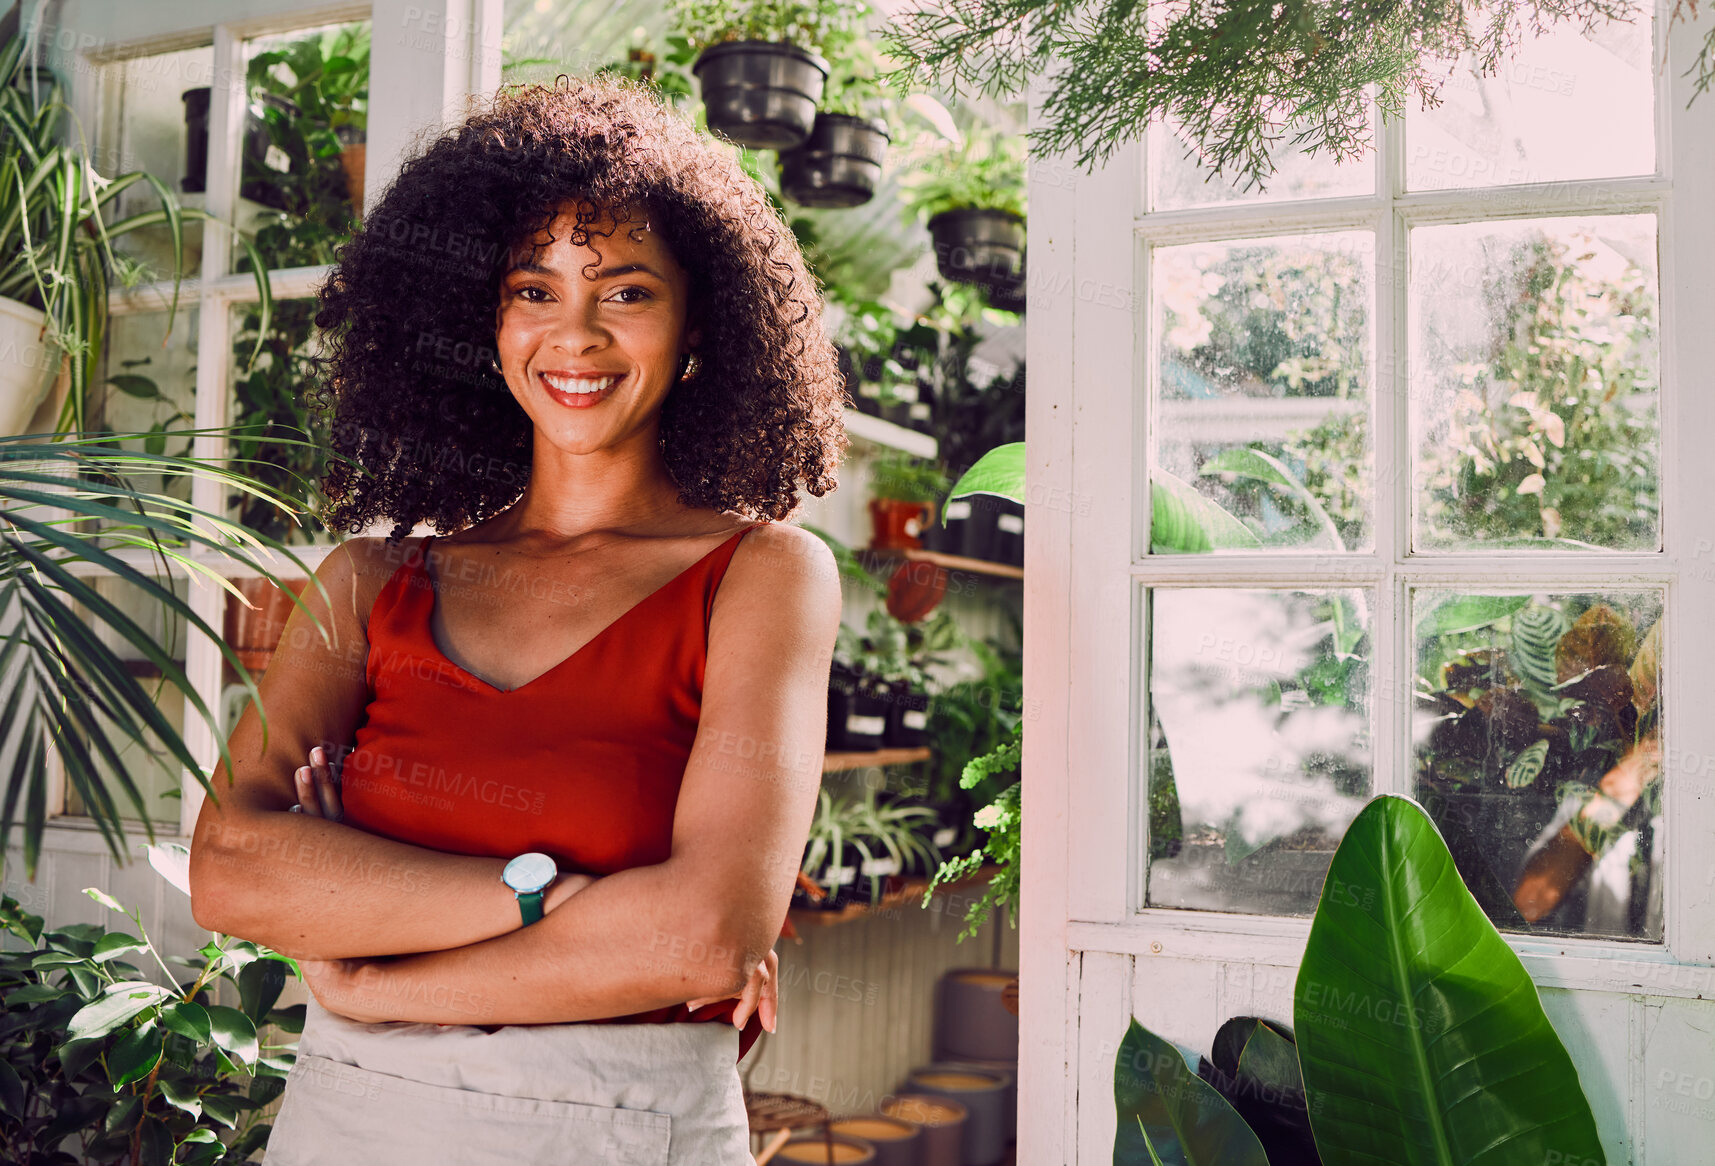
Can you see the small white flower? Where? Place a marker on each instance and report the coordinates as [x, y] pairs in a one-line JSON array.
[[987, 818]]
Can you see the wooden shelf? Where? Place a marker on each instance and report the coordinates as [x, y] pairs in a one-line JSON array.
[[950, 562], [835, 762], [870, 428], [897, 892]]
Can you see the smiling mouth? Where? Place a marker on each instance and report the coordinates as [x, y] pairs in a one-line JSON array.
[[579, 391]]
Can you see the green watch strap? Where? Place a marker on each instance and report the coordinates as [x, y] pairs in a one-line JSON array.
[[530, 906]]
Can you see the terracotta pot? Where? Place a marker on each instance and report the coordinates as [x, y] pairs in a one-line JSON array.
[[915, 589], [254, 632], [351, 161], [899, 523]]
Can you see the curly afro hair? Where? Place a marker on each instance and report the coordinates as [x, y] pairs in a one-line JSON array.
[[424, 429]]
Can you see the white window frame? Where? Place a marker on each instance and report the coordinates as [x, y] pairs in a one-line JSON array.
[[426, 58], [1088, 566]]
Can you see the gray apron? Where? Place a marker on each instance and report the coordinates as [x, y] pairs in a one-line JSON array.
[[418, 1094]]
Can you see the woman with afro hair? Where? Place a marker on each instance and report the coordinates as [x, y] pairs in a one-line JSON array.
[[534, 789]]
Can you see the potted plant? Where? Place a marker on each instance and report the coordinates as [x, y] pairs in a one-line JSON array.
[[896, 653], [972, 194], [839, 164], [309, 100], [759, 64], [857, 698], [855, 845], [100, 1055], [903, 494], [60, 258]]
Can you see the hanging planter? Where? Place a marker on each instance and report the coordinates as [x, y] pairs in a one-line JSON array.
[[1008, 295], [29, 361], [839, 164], [979, 245], [761, 94]]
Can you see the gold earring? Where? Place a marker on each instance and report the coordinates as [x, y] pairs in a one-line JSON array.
[[692, 363]]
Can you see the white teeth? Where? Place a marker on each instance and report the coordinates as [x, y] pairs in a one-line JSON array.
[[581, 384]]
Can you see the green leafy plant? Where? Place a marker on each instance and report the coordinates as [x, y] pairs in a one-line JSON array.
[[95, 1052], [822, 26], [897, 832], [1525, 704], [1000, 819], [907, 478], [56, 672], [56, 241], [985, 168], [313, 95], [279, 434], [1409, 1007], [855, 86]]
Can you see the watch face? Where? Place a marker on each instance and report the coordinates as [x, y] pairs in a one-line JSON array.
[[529, 873]]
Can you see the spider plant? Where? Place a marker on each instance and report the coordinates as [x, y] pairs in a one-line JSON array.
[[56, 671], [56, 245], [869, 827]]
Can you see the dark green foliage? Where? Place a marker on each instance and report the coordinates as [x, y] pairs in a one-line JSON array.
[[99, 1061]]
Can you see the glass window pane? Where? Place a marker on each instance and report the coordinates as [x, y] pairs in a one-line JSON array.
[[286, 432], [1178, 177], [150, 388], [1259, 747], [302, 154], [1538, 747], [154, 771], [1534, 389], [1261, 433], [1565, 105], [154, 117]]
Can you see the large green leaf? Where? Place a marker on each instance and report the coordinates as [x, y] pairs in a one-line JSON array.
[[1263, 467], [1000, 471], [1182, 520], [1168, 1116], [1465, 613], [1421, 1038]]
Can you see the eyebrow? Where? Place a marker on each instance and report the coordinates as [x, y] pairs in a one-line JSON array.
[[532, 267]]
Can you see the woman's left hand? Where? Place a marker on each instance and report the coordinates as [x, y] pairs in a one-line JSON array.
[[761, 994], [339, 986]]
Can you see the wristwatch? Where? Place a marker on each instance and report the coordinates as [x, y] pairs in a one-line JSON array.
[[529, 875]]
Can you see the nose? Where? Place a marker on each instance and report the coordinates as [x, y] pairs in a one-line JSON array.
[[577, 327]]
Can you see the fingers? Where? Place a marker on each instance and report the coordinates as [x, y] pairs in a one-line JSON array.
[[326, 790], [770, 1005], [753, 989], [304, 784]]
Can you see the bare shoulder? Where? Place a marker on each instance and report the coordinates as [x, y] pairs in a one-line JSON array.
[[778, 564], [356, 570]]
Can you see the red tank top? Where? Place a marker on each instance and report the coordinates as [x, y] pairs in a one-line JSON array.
[[582, 763]]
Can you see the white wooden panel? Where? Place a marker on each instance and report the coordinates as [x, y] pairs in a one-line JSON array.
[[1688, 423], [1596, 1028], [1104, 1013], [1105, 414], [1674, 1106], [1177, 1000], [1045, 1127]]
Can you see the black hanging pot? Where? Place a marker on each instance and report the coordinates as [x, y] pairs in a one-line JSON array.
[[978, 245], [838, 165], [196, 101], [857, 712], [761, 93], [1008, 295]]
